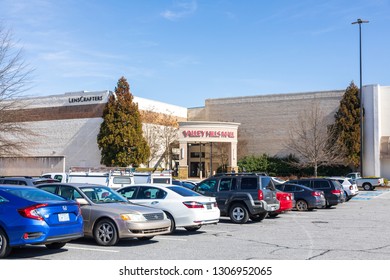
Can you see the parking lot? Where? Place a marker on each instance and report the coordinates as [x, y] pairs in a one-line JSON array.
[[355, 230]]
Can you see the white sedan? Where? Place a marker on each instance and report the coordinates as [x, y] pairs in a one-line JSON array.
[[184, 207]]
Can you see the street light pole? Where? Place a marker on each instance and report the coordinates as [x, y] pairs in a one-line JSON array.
[[360, 22]]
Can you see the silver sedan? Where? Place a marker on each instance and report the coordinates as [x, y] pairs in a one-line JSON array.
[[108, 216]]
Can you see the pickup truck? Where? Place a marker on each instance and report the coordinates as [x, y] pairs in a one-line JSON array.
[[367, 183]]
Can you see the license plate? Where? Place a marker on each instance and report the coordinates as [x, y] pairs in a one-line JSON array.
[[208, 206], [63, 217]]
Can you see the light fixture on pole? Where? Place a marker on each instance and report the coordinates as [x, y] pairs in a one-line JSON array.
[[360, 21]]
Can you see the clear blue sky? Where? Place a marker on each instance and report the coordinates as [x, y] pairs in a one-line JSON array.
[[185, 51]]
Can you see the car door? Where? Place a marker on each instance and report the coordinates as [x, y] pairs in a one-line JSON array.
[[223, 194], [130, 193], [150, 196]]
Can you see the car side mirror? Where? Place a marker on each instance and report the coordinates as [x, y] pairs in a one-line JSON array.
[[82, 201]]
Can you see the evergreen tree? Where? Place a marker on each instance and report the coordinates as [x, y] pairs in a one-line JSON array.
[[347, 125], [120, 138]]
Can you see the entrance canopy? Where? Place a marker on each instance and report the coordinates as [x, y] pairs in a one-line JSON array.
[[204, 134]]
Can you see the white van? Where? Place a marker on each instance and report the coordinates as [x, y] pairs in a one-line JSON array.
[[98, 178], [117, 181], [62, 177], [164, 177], [113, 180]]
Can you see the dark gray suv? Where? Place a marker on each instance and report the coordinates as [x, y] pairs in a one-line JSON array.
[[241, 196], [25, 181]]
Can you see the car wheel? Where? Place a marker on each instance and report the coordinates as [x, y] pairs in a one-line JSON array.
[[259, 218], [5, 249], [105, 233], [56, 245], [367, 186], [173, 224], [301, 205], [194, 228], [145, 238], [238, 214]]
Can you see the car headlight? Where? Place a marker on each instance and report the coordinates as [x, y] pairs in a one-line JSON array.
[[133, 217]]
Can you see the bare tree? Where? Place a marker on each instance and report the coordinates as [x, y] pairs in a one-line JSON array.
[[152, 133], [170, 127], [160, 130], [309, 140], [14, 81]]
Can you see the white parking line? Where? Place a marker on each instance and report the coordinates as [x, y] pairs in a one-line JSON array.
[[91, 249]]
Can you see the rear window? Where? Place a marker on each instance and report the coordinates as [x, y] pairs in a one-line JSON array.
[[161, 181], [267, 183], [249, 183], [122, 180], [337, 185], [34, 194], [183, 191]]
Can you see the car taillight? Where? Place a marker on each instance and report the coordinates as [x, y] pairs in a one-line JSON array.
[[193, 204], [335, 191], [260, 195], [315, 193], [31, 212], [351, 188]]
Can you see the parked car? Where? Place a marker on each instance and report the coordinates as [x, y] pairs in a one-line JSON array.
[[186, 184], [286, 201], [108, 216], [331, 188], [241, 196], [367, 183], [29, 216], [306, 199], [25, 181], [184, 207], [350, 188]]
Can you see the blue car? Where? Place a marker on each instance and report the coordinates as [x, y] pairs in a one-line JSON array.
[[30, 216]]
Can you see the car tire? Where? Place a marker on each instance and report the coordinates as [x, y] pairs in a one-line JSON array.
[[327, 206], [238, 213], [5, 249], [173, 224], [193, 228], [301, 205], [367, 187], [259, 218], [105, 233], [55, 246]]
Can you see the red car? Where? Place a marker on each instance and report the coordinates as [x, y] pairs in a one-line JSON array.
[[286, 201]]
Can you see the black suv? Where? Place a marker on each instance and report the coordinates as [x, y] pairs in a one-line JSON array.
[[241, 196], [331, 188]]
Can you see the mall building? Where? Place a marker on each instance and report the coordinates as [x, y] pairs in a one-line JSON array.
[[209, 138]]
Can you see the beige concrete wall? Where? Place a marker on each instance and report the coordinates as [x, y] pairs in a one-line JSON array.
[[30, 166], [266, 119]]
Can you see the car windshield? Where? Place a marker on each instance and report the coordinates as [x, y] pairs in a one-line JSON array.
[[183, 191], [34, 194], [102, 195]]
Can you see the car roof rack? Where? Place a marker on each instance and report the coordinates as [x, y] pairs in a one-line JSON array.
[[241, 174]]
